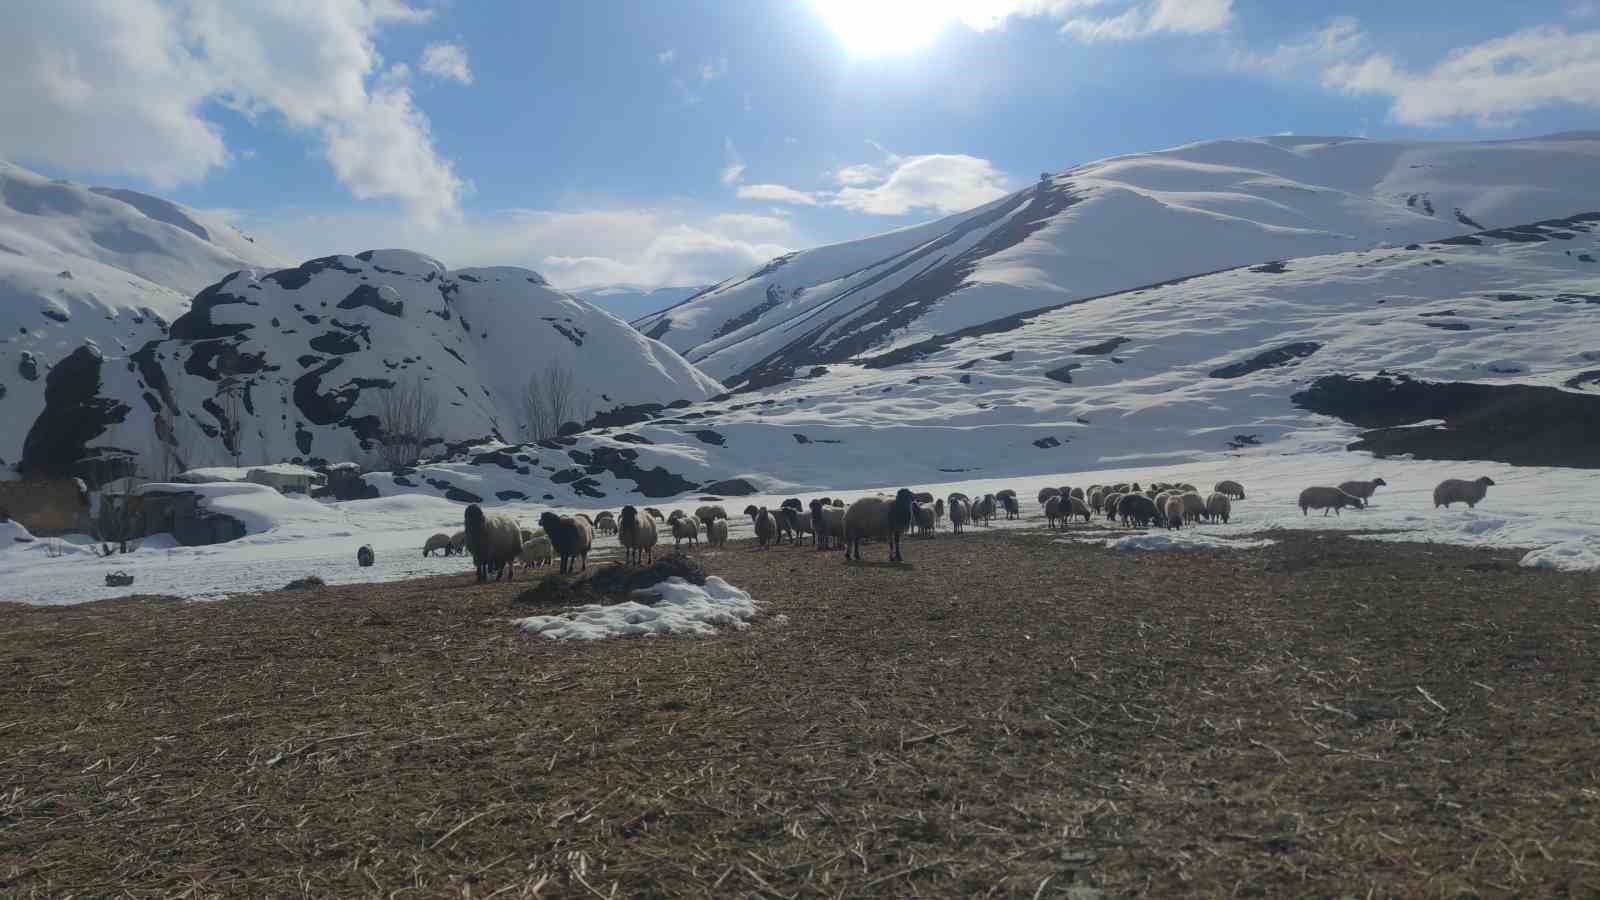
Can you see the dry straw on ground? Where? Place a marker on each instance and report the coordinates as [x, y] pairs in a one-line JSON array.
[[1003, 716]]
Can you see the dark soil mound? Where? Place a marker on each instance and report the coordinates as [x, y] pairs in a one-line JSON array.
[[308, 583], [610, 584]]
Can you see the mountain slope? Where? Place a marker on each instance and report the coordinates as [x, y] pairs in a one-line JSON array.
[[1116, 224], [628, 301]]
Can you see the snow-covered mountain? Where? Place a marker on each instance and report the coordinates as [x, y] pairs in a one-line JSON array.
[[1482, 346], [1114, 225], [630, 301]]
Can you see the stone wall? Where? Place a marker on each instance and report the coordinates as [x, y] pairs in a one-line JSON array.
[[46, 506]]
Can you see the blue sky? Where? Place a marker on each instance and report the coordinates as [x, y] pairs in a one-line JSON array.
[[683, 141]]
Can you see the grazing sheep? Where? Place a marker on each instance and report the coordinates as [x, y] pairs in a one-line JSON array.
[[440, 541], [877, 517], [717, 532], [766, 527], [1136, 509], [709, 514], [1009, 503], [923, 517], [365, 558], [571, 537], [751, 511], [1230, 489], [983, 510], [1097, 498], [960, 512], [605, 523], [1079, 493], [458, 543], [1046, 493], [637, 535], [1454, 490], [1363, 489], [685, 528], [493, 541], [1172, 511], [1194, 506], [1052, 510], [1218, 506], [1162, 498], [1113, 501], [1325, 499], [1079, 508], [537, 551]]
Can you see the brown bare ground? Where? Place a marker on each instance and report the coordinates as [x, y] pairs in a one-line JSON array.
[[1002, 716]]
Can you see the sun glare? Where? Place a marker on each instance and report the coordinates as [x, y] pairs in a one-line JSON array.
[[878, 27]]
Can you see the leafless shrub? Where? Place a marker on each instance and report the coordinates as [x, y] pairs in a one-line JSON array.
[[407, 413], [550, 400]]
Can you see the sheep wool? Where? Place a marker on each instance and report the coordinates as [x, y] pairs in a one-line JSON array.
[[572, 538], [1325, 499], [1455, 490], [440, 541], [494, 542], [1363, 489], [1218, 506], [878, 517], [637, 535]]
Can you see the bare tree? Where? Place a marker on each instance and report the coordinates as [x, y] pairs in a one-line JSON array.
[[551, 400], [170, 439], [407, 412]]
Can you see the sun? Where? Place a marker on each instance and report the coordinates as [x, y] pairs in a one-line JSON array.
[[879, 27]]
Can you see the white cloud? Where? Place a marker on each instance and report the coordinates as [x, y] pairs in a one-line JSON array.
[[573, 248], [1493, 82], [447, 61], [1145, 18], [1338, 41], [778, 193], [941, 182], [734, 170], [120, 86], [713, 69], [666, 57]]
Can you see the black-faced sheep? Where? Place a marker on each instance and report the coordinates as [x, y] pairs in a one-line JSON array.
[[960, 513], [536, 551], [1004, 492], [605, 523], [571, 537], [800, 524], [440, 541], [1046, 493], [1218, 506], [1363, 489], [637, 535], [685, 528], [1230, 489], [365, 557], [1455, 490], [1325, 499], [494, 541], [878, 517], [1009, 503], [1137, 509]]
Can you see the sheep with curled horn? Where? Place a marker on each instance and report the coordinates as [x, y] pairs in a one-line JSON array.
[[571, 537], [923, 497], [878, 517], [605, 523], [494, 541], [637, 535]]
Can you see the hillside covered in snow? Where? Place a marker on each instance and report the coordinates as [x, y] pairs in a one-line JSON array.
[[1115, 225]]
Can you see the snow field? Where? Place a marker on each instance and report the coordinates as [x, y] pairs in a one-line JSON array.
[[675, 607]]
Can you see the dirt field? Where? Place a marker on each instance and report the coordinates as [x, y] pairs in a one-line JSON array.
[[1003, 716]]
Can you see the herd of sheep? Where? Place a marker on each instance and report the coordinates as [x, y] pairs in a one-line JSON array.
[[497, 542]]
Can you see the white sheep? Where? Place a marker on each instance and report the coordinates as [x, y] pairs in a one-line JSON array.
[[766, 526], [685, 528], [1218, 506], [637, 535], [878, 517], [440, 541], [1194, 506], [984, 508], [1325, 499], [1363, 489], [1455, 490], [828, 524], [1052, 510], [494, 542], [1172, 511], [717, 533], [959, 513], [709, 514], [537, 551], [924, 520]]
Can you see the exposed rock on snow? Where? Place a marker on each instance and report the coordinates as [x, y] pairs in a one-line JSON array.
[[672, 607]]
